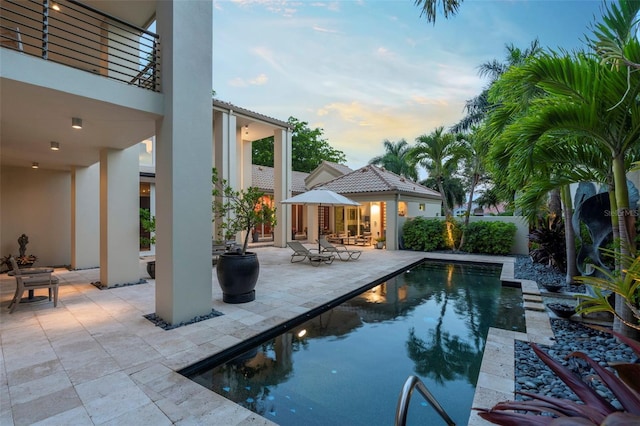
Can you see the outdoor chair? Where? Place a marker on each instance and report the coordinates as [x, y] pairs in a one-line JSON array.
[[216, 250], [300, 253], [29, 279], [343, 253]]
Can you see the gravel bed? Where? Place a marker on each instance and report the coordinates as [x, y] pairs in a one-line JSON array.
[[532, 375]]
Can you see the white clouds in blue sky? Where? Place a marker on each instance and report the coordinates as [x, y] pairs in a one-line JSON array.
[[370, 70]]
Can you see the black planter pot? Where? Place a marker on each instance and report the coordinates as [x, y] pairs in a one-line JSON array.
[[554, 288], [562, 310], [237, 276], [151, 269]]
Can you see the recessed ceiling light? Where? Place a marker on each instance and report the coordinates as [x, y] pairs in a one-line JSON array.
[[34, 165]]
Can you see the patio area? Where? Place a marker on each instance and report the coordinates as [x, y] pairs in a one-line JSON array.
[[96, 360]]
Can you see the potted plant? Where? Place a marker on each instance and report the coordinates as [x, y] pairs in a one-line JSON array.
[[238, 211], [25, 261], [380, 242], [148, 223]]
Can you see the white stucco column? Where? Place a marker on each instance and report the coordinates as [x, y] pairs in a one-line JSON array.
[[282, 185], [183, 162], [312, 219], [245, 160], [392, 224], [225, 150], [85, 217], [119, 218]]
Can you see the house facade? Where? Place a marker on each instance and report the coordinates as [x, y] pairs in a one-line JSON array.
[[96, 66], [386, 202]]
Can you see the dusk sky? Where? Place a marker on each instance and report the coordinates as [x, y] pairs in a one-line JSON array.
[[369, 70]]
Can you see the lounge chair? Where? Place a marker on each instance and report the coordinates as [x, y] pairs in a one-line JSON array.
[[300, 253], [343, 253]]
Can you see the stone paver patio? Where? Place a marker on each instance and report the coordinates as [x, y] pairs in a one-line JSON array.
[[95, 360]]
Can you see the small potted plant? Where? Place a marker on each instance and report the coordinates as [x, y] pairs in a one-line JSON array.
[[148, 223], [25, 261], [380, 241], [238, 211]]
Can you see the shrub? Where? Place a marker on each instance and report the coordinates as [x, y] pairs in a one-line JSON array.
[[489, 237], [422, 234], [595, 410], [452, 233], [550, 245]]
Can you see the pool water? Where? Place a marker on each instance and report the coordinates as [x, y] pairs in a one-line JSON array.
[[347, 366]]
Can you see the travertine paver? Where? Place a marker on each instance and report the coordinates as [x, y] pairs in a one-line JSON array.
[[95, 360]]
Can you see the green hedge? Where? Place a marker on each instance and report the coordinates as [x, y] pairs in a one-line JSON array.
[[489, 237], [423, 234]]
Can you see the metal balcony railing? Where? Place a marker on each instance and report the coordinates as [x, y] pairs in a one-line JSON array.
[[77, 35]]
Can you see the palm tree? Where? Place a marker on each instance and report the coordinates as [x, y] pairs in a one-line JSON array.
[[477, 152], [396, 159], [438, 153], [477, 108], [586, 102], [449, 7], [610, 37]]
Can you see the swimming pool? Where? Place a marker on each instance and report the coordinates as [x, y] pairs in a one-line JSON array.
[[347, 365]]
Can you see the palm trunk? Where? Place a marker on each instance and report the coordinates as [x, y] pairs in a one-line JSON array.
[[622, 211], [555, 203], [569, 234], [474, 182], [445, 204]]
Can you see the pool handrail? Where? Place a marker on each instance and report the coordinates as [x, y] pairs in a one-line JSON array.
[[404, 399]]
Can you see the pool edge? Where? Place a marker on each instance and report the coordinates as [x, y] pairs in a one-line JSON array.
[[496, 381]]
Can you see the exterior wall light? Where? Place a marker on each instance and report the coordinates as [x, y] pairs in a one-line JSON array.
[[55, 146], [76, 123]]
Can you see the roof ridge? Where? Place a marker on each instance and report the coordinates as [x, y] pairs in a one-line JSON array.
[[379, 172]]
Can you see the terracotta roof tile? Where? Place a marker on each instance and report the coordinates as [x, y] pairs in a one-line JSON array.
[[262, 177], [371, 178]]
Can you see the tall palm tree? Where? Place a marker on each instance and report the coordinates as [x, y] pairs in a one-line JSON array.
[[610, 37], [438, 153], [476, 157], [396, 159], [477, 108], [449, 7], [582, 101]]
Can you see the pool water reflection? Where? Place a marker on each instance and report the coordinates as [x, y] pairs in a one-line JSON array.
[[347, 365]]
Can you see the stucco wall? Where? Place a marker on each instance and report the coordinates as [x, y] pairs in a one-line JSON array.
[[43, 213]]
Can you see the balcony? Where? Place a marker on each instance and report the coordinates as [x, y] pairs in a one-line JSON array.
[[80, 36]]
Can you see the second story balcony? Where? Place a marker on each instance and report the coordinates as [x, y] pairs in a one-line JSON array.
[[82, 36]]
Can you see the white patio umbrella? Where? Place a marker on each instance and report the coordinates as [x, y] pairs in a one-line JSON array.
[[320, 197]]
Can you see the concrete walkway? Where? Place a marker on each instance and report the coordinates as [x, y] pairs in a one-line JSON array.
[[95, 360]]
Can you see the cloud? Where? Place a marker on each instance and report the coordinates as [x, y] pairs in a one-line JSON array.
[[324, 30], [259, 80], [280, 7], [256, 81], [359, 129]]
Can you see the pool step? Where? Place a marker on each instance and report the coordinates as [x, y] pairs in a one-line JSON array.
[[534, 306], [532, 298]]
